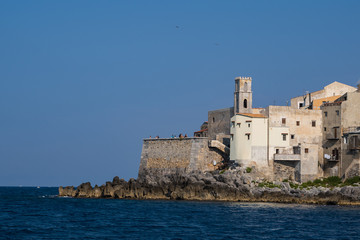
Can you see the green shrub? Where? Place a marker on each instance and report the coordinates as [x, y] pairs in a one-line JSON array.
[[294, 185], [222, 171], [352, 180], [332, 181], [317, 181], [248, 169], [285, 180]]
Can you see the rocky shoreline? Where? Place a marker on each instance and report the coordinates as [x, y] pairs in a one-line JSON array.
[[231, 185]]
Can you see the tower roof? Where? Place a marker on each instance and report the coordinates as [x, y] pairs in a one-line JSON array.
[[243, 78]]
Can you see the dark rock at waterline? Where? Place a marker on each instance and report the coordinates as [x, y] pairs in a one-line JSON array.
[[233, 185]]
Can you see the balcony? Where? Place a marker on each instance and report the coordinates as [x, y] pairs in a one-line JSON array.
[[354, 142], [350, 130], [287, 157], [333, 158]]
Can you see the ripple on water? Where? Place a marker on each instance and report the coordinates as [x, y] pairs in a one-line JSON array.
[[39, 214]]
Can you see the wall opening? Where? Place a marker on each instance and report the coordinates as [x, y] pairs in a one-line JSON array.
[[313, 123], [245, 103], [237, 102]]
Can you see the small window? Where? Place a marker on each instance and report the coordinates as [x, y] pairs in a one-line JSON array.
[[248, 124], [232, 124], [325, 113], [292, 136], [284, 137], [248, 136], [324, 129], [306, 150], [238, 124], [213, 119], [245, 103], [283, 121], [277, 151], [337, 113], [297, 123], [313, 123]]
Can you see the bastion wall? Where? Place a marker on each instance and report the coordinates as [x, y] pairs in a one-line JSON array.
[[174, 154]]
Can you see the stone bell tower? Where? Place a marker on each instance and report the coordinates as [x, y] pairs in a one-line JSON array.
[[243, 95]]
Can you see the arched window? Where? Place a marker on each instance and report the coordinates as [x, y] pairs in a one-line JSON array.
[[245, 103], [245, 87]]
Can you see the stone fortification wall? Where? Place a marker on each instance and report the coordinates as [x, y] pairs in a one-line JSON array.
[[174, 154]]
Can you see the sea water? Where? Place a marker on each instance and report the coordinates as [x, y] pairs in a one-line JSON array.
[[37, 213]]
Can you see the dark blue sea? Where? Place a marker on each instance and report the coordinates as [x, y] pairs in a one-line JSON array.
[[36, 213]]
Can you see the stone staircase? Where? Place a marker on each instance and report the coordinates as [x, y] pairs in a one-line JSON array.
[[220, 146]]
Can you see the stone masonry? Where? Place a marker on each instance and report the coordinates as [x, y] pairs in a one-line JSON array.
[[179, 154]]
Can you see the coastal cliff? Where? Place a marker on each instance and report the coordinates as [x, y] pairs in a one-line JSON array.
[[237, 184]]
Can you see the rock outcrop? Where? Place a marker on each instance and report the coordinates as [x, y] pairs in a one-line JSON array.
[[231, 185]]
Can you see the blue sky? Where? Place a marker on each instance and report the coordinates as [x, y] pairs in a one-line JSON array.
[[83, 82]]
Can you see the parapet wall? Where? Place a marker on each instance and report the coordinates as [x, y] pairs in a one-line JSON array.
[[174, 154]]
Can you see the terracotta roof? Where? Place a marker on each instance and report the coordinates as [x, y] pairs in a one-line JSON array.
[[333, 103], [318, 102], [252, 115], [201, 131]]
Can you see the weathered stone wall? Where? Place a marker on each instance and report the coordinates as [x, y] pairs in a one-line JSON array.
[[350, 117], [289, 170], [219, 125], [301, 132], [175, 154], [331, 138], [354, 169]]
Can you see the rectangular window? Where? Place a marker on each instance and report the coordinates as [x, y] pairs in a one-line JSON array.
[[324, 129], [325, 113], [277, 151], [238, 124], [337, 113], [297, 123], [232, 124], [292, 136], [313, 123], [248, 124], [306, 150], [283, 121], [284, 136], [248, 136]]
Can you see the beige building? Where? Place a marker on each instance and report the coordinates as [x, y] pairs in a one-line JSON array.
[[249, 135], [329, 93], [283, 142], [294, 142], [341, 135]]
